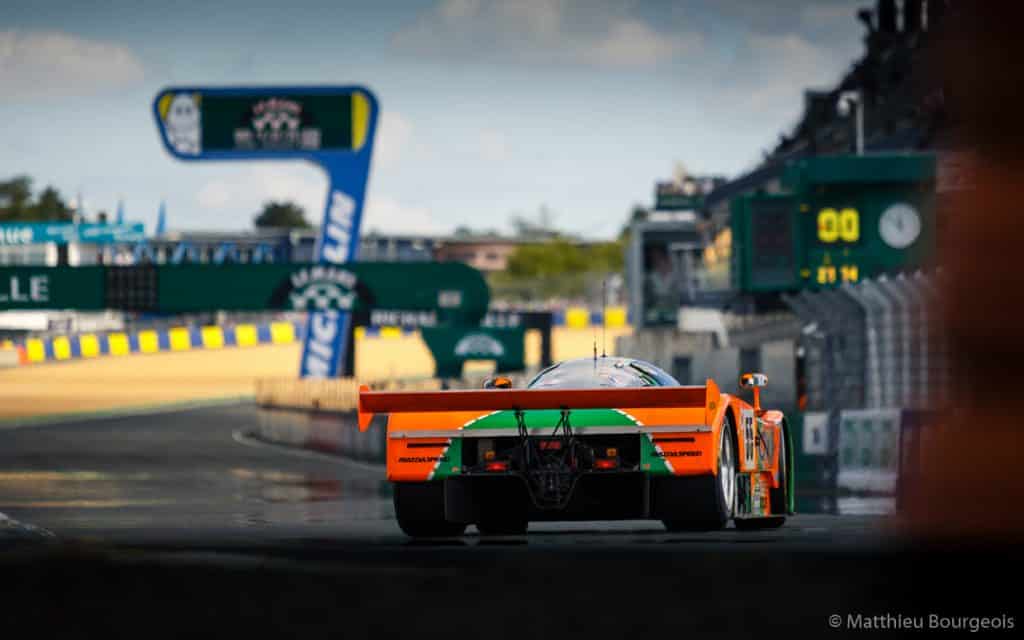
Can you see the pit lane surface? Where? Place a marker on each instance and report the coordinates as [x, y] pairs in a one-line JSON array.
[[168, 523], [189, 478]]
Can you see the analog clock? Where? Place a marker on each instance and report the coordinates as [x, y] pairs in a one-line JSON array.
[[899, 225]]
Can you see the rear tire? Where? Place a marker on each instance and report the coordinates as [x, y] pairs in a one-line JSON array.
[[707, 501], [419, 508]]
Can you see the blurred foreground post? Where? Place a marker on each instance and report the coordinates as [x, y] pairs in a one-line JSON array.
[[973, 488]]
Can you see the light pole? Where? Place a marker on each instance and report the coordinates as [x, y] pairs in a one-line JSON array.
[[854, 99]]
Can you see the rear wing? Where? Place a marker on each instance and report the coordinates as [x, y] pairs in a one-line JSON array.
[[373, 402]]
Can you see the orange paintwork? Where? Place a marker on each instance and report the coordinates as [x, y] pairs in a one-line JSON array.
[[688, 453], [371, 402]]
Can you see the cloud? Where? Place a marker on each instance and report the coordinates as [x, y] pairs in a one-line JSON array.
[[52, 63], [798, 64], [459, 9], [631, 43], [247, 189], [543, 31], [243, 191], [492, 145], [393, 138], [827, 15], [542, 18], [387, 215]]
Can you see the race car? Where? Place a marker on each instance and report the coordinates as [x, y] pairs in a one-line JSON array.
[[604, 438]]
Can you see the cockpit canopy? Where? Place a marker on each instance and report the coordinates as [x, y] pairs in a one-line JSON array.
[[588, 373]]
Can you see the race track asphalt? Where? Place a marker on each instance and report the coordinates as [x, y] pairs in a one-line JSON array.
[[178, 508]]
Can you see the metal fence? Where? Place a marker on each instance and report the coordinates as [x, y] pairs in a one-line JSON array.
[[873, 354], [873, 345]]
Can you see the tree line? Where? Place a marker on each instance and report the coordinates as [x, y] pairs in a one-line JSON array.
[[18, 203]]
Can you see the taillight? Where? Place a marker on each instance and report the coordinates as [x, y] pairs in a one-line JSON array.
[[606, 463], [496, 465]]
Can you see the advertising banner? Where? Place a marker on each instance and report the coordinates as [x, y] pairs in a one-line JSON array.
[[12, 234], [453, 346], [448, 292]]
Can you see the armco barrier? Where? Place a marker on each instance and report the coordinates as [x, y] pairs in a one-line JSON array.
[[320, 415], [121, 343], [582, 317], [9, 357], [118, 343], [340, 394], [333, 432]]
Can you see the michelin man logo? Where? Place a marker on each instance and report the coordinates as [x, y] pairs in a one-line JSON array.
[[479, 345], [180, 113]]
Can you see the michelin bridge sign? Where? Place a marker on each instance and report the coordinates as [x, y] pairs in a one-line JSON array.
[[332, 127]]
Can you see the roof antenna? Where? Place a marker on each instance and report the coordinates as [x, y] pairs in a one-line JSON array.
[[604, 319]]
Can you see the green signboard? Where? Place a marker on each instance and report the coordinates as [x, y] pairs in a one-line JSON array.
[[453, 291], [453, 346], [278, 122], [197, 122], [670, 196], [50, 288], [844, 219]]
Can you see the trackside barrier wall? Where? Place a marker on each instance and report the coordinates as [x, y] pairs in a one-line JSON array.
[[582, 317], [321, 414], [338, 394], [120, 343], [9, 357], [335, 432], [874, 364], [188, 338]]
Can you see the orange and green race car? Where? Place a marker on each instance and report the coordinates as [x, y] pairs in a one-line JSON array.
[[589, 439]]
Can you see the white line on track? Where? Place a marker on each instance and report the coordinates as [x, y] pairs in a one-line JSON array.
[[16, 528]]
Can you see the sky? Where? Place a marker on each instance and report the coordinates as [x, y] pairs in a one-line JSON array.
[[488, 109]]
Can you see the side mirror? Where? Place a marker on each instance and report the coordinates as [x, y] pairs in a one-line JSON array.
[[753, 380], [498, 382]]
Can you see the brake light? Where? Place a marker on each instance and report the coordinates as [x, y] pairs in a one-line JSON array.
[[550, 445], [497, 465], [606, 463]]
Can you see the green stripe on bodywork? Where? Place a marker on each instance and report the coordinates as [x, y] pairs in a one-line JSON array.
[[450, 467], [650, 461], [550, 417]]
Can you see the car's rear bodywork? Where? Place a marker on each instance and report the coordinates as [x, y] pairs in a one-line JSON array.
[[590, 454]]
